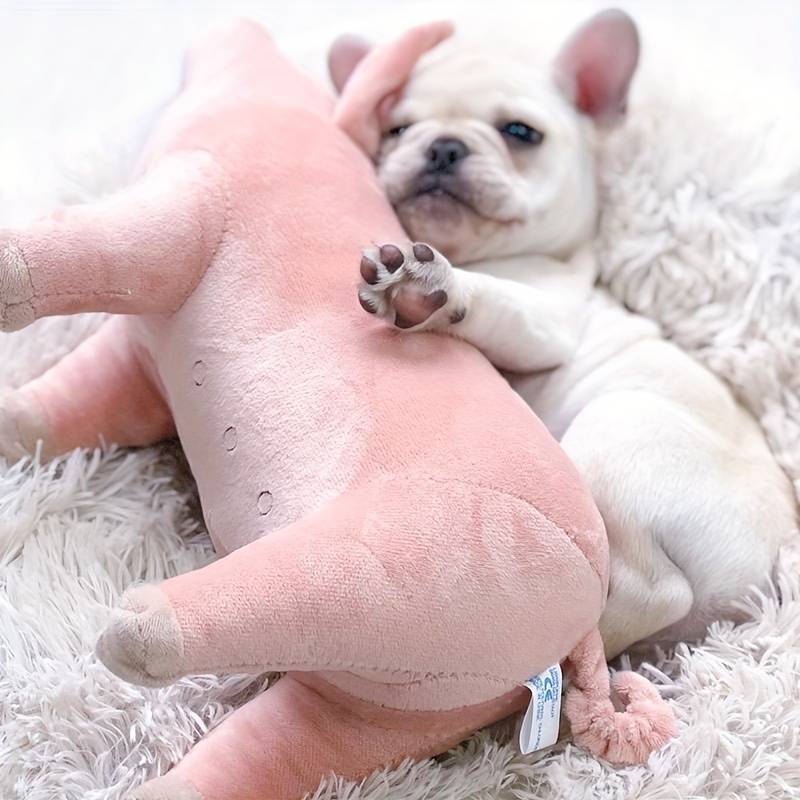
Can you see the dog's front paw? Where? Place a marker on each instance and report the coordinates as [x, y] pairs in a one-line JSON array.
[[411, 287]]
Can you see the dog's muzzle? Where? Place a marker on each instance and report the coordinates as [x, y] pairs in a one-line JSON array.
[[445, 155]]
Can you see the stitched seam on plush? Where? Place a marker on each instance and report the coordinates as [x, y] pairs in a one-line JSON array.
[[432, 725]]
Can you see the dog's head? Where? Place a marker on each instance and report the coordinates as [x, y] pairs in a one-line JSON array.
[[482, 153]]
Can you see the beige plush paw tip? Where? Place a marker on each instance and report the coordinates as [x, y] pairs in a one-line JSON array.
[[142, 642], [16, 291], [167, 788], [22, 424]]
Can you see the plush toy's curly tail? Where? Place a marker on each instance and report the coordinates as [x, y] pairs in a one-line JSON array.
[[621, 737]]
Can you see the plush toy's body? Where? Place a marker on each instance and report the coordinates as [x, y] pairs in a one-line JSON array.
[[429, 546]]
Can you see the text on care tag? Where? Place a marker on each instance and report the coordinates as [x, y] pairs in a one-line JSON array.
[[540, 724]]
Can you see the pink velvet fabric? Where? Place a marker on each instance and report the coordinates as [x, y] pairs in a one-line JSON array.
[[404, 536]]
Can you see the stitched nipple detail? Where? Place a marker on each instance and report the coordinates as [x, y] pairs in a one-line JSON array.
[[199, 372], [264, 503], [230, 439]]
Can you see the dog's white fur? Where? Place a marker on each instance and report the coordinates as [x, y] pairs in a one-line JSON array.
[[694, 503]]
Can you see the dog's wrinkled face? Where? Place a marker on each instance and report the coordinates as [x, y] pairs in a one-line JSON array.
[[485, 158], [486, 155]]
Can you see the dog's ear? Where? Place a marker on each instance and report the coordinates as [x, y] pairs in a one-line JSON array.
[[595, 66], [343, 57], [377, 81]]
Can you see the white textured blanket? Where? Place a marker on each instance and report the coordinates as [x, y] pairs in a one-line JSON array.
[[701, 230]]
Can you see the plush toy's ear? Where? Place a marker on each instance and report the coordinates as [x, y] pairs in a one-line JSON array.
[[344, 56], [376, 82], [595, 66]]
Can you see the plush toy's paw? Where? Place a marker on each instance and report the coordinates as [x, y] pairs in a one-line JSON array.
[[169, 787], [16, 292], [142, 642], [21, 426], [411, 287]]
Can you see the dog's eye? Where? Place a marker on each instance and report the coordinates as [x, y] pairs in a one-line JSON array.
[[521, 132], [397, 131]]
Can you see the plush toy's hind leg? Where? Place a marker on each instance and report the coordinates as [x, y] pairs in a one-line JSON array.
[[279, 745], [348, 588], [99, 392]]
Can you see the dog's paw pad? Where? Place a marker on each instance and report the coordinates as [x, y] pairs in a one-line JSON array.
[[412, 308], [369, 271], [409, 286], [391, 257], [458, 316], [423, 252], [367, 304]]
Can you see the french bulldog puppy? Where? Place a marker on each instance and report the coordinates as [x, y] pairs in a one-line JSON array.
[[490, 165]]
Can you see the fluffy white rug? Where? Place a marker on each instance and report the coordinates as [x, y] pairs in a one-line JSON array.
[[701, 230]]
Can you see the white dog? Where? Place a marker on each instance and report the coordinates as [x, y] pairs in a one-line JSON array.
[[492, 162]]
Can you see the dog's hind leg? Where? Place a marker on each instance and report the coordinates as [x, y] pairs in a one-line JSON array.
[[647, 591], [100, 392], [645, 595]]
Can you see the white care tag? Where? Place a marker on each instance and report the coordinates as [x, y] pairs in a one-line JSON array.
[[540, 725]]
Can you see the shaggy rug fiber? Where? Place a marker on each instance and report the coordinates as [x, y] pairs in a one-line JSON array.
[[700, 230]]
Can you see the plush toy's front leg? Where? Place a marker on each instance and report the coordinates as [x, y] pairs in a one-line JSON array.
[[142, 250], [100, 391]]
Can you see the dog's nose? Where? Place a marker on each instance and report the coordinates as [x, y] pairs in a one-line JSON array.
[[445, 153]]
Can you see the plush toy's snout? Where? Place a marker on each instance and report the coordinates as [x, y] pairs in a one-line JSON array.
[[379, 75]]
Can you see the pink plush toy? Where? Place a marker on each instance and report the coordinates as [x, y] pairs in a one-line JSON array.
[[403, 536]]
